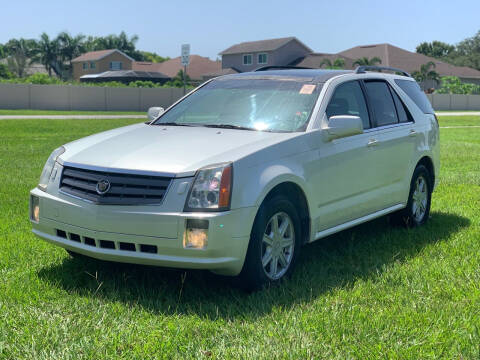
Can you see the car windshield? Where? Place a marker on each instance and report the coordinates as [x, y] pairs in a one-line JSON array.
[[251, 104]]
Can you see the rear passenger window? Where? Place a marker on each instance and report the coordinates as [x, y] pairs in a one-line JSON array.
[[402, 111], [418, 96], [348, 99], [381, 102]]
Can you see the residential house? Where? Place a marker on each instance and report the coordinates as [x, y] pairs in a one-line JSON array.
[[315, 60], [393, 56], [198, 67], [248, 56], [95, 62]]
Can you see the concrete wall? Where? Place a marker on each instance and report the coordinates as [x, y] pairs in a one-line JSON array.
[[67, 97], [454, 101]]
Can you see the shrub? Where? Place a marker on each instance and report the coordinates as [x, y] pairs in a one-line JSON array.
[[453, 85], [4, 72]]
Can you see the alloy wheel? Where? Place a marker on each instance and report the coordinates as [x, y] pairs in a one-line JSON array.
[[278, 245], [420, 199]]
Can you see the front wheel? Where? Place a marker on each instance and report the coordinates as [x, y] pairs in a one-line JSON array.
[[420, 196], [274, 244]]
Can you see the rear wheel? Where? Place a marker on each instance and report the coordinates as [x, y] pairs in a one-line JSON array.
[[418, 206], [274, 244]]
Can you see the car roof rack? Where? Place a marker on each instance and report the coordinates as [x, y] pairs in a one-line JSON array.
[[364, 68], [279, 67]]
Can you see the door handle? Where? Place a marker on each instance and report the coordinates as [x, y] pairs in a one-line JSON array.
[[412, 133], [372, 142]]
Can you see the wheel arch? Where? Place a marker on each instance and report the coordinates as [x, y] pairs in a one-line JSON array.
[[428, 163], [295, 193]]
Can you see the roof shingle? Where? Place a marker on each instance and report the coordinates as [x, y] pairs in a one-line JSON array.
[[406, 60], [97, 55], [261, 45]]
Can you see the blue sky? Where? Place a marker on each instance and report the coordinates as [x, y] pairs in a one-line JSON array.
[[212, 26]]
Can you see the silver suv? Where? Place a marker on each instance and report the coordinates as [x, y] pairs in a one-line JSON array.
[[239, 174]]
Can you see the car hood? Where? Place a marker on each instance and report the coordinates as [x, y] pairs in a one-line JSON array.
[[175, 150]]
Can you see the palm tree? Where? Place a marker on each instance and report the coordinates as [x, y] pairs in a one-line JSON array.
[[69, 48], [338, 63], [426, 73], [365, 61], [20, 52], [47, 53], [120, 42]]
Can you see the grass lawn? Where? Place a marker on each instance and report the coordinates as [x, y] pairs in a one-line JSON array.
[[369, 292], [61, 112]]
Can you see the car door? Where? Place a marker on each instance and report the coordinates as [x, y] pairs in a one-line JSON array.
[[393, 137], [343, 171]]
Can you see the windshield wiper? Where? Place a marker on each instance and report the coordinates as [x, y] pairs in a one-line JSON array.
[[229, 126], [174, 124]]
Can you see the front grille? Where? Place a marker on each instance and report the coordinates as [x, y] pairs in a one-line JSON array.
[[107, 244], [125, 189]]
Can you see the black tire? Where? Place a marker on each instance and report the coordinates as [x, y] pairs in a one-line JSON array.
[[253, 275], [407, 217]]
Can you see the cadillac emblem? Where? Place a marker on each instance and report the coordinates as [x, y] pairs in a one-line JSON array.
[[102, 187]]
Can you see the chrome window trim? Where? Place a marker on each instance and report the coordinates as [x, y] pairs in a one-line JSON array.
[[390, 126]]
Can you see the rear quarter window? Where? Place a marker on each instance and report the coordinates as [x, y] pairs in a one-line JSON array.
[[412, 89]]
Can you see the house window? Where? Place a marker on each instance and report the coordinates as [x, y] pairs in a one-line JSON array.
[[92, 65], [85, 66], [115, 65], [247, 59], [262, 58]]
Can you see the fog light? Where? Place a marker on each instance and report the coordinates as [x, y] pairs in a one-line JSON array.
[[196, 234], [34, 208]]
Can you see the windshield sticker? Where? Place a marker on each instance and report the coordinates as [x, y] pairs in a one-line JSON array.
[[307, 89]]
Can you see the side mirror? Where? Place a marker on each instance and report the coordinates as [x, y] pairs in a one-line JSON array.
[[155, 112], [342, 126]]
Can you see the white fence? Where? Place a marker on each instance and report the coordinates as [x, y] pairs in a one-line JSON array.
[[68, 97]]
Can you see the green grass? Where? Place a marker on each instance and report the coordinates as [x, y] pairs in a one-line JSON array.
[[459, 120], [369, 292], [61, 112]]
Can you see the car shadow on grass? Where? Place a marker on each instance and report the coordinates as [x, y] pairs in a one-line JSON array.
[[335, 262]]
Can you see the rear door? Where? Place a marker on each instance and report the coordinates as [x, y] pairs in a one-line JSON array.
[[393, 137]]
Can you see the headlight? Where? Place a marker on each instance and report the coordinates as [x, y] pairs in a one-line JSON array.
[[47, 169], [211, 190]]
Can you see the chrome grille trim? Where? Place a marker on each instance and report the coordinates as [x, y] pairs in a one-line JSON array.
[[125, 189]]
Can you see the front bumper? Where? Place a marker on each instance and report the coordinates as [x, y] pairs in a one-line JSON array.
[[143, 234]]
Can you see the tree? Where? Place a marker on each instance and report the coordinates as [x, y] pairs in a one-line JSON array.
[[338, 63], [120, 42], [177, 81], [153, 57], [435, 49], [468, 52], [3, 51], [69, 48], [426, 73], [365, 61], [19, 54], [46, 53], [465, 53]]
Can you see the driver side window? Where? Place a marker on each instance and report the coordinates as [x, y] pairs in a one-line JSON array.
[[348, 99]]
